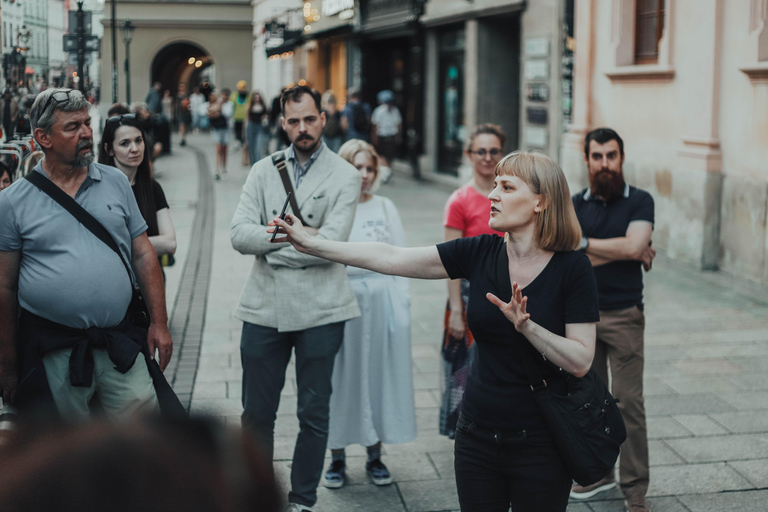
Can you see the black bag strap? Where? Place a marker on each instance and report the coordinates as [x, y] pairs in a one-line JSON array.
[[278, 159], [79, 213], [529, 361]]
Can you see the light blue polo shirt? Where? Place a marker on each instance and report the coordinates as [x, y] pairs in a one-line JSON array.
[[68, 275]]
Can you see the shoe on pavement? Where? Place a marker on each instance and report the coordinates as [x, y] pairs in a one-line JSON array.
[[295, 507], [637, 503], [183, 143], [334, 477], [378, 472], [579, 492]]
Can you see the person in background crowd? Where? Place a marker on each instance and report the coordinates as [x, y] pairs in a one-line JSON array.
[[147, 465], [6, 177], [466, 215], [9, 113], [356, 117], [51, 304], [332, 134], [196, 100], [327, 188], [617, 223], [123, 146], [372, 401], [533, 298], [167, 104], [154, 99], [386, 131], [220, 115], [203, 122], [155, 128], [117, 109], [276, 128], [183, 115], [257, 127], [240, 102]]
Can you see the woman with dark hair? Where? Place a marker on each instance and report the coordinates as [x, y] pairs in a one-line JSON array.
[[123, 146], [257, 127]]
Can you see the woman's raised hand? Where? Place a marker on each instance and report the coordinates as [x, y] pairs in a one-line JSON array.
[[515, 309], [295, 232]]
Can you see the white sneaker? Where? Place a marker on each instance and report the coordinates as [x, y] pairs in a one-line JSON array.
[[295, 507]]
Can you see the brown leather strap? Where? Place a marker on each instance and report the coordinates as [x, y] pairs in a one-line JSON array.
[[278, 159]]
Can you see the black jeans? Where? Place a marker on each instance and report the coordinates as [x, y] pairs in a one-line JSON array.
[[265, 353], [497, 469]]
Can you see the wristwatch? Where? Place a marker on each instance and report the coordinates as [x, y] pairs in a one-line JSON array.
[[584, 244]]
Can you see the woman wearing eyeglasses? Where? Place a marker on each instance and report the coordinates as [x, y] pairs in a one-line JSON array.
[[123, 146], [466, 215]]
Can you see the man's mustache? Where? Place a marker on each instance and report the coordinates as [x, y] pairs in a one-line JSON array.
[[84, 144]]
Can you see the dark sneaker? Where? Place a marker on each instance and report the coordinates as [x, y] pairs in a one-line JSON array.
[[378, 472], [334, 477], [582, 493]]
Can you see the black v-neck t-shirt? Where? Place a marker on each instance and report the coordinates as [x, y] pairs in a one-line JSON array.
[[498, 394]]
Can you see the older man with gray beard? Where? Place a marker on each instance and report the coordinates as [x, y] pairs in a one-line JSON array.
[[66, 342]]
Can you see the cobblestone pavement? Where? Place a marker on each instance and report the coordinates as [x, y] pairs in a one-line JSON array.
[[706, 377]]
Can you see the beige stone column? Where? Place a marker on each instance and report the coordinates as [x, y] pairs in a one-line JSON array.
[[471, 74], [572, 150], [697, 180]]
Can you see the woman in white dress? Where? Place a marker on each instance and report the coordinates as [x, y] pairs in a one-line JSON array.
[[372, 401]]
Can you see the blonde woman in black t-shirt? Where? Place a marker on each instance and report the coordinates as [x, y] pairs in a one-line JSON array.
[[530, 292]]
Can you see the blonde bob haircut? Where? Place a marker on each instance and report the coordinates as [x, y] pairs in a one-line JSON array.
[[352, 147], [557, 228]]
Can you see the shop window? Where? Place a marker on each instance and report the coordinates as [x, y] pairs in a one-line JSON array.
[[649, 23]]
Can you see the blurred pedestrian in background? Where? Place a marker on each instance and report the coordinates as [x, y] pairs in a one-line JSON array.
[[123, 145], [196, 99], [333, 134], [182, 113], [240, 102], [386, 131], [9, 113], [356, 117], [154, 99], [372, 401], [466, 214], [220, 115], [257, 127], [276, 128], [167, 104]]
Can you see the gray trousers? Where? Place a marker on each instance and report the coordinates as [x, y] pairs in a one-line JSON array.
[[265, 353]]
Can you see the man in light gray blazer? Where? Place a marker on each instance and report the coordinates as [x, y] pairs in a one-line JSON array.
[[292, 301]]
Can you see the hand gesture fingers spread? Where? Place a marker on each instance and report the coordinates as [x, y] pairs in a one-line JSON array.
[[516, 309]]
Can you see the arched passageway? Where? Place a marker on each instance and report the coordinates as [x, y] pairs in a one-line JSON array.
[[182, 62]]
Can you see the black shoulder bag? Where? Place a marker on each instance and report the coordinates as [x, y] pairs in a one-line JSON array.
[[137, 309], [278, 159], [585, 422]]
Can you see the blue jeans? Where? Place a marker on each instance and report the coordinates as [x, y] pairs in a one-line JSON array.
[[258, 139], [497, 469], [265, 353]]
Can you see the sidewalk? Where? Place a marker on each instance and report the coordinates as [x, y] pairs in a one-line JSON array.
[[706, 378]]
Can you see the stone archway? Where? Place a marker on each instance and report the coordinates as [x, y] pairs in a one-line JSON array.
[[177, 62]]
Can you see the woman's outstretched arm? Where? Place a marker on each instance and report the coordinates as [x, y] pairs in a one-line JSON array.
[[420, 262]]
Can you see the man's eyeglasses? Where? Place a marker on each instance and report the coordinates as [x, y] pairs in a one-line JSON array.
[[495, 153], [60, 96], [117, 119]]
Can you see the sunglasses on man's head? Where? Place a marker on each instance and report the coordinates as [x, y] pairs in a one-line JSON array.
[[60, 96], [118, 119]]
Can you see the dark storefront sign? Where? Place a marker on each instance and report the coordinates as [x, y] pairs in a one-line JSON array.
[[536, 115], [538, 92], [324, 16], [278, 39], [390, 17]]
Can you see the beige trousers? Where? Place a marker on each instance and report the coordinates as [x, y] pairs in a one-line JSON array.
[[620, 344], [120, 395]]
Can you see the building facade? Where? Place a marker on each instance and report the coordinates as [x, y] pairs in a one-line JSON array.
[[685, 83]]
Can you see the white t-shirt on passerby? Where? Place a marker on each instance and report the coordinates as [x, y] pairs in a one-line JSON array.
[[196, 100], [386, 119]]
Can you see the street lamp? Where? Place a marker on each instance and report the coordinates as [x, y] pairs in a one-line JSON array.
[[127, 33]]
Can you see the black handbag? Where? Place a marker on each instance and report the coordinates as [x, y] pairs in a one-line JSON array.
[[584, 422], [138, 312]]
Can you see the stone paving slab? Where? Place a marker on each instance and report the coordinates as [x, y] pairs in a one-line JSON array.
[[696, 479], [721, 448], [754, 501]]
